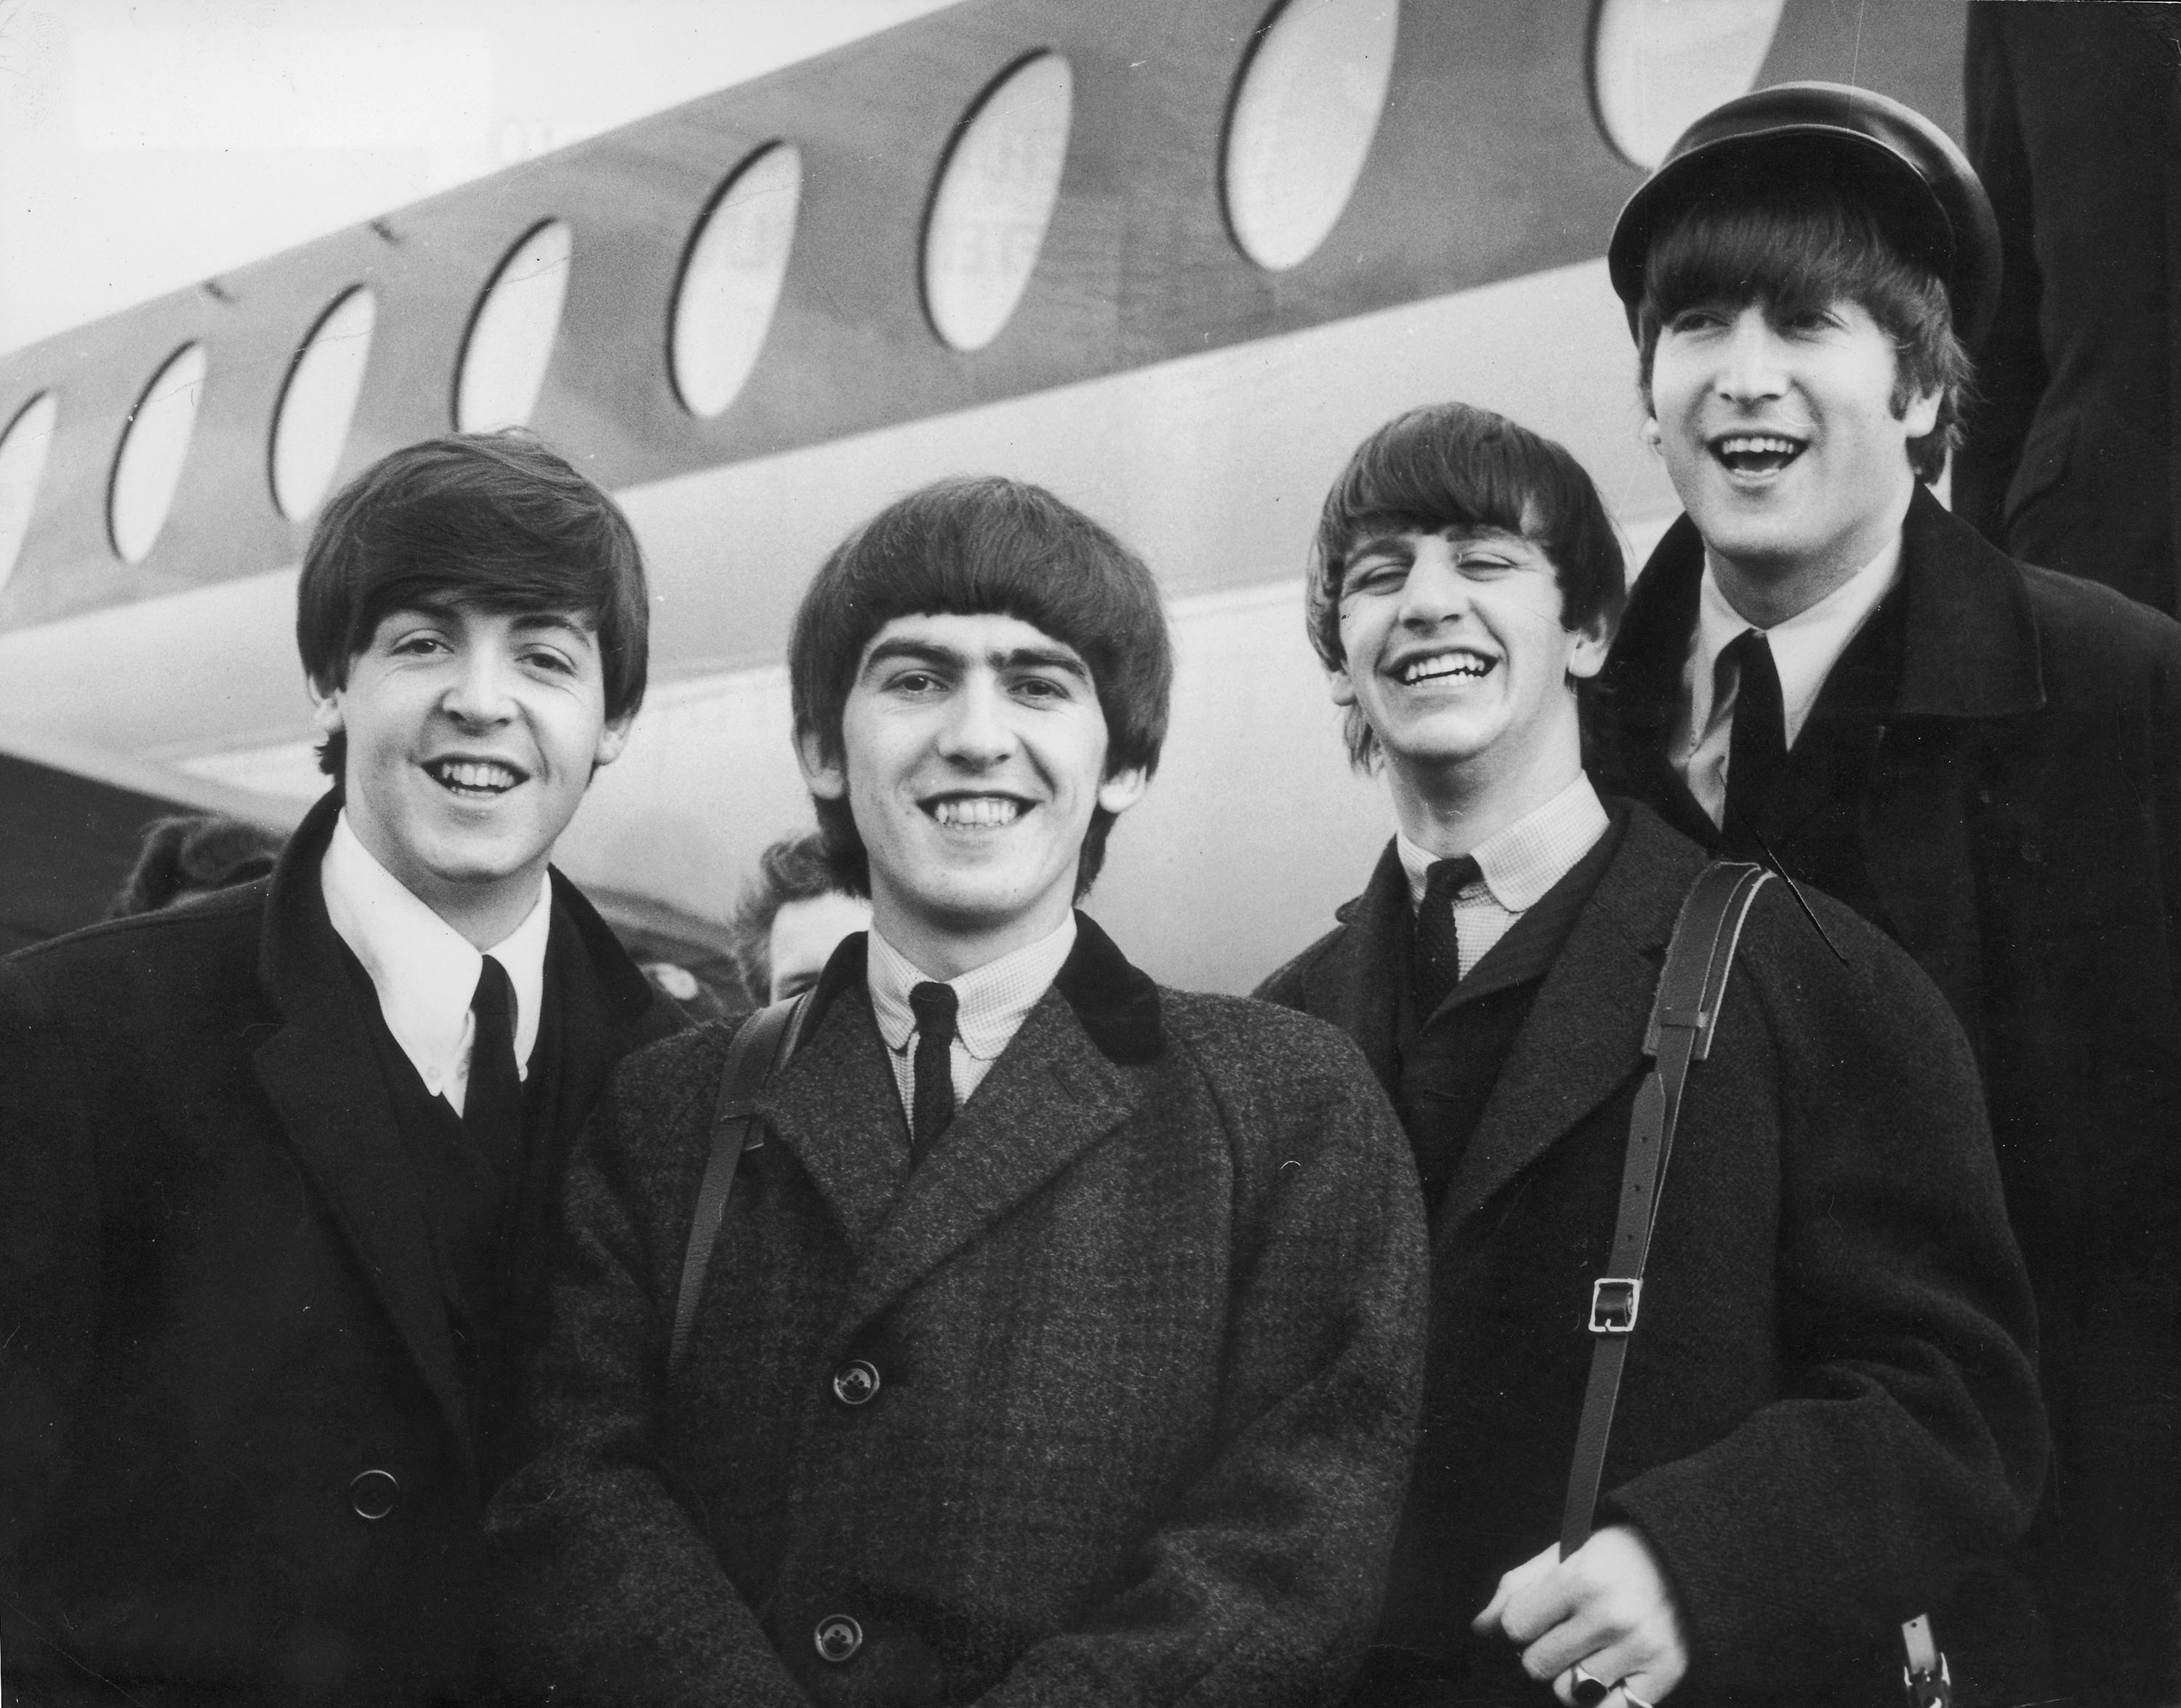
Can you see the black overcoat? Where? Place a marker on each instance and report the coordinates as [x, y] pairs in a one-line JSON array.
[[1828, 1405], [219, 1307], [2016, 797], [1147, 1328]]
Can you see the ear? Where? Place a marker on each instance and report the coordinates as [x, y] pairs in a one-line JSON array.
[[613, 739], [325, 707], [1587, 657], [1651, 435], [826, 778], [1340, 687], [1123, 790], [1921, 415]]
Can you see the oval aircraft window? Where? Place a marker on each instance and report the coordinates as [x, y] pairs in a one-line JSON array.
[[22, 461], [1305, 112], [1658, 66], [510, 340], [153, 447], [997, 189], [310, 428], [730, 282]]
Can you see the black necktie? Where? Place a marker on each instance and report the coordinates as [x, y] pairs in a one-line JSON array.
[[492, 1107], [1436, 967], [933, 1104], [1757, 749]]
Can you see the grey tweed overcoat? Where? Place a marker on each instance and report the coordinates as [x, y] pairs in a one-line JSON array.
[[1146, 1327]]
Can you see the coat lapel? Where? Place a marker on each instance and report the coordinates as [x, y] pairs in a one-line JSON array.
[[1062, 1084], [323, 1078], [835, 1107], [1971, 661], [1350, 985], [1050, 1097], [1584, 1037]]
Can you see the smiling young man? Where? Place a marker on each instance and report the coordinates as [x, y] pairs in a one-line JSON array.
[[1830, 1405], [280, 1161], [1060, 1340], [1823, 669]]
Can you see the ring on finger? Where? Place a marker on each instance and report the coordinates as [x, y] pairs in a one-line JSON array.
[[1587, 1689]]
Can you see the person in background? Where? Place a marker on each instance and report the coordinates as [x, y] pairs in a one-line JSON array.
[[280, 1160], [1821, 669], [1829, 1403], [1060, 1341], [790, 916], [190, 854], [2074, 125]]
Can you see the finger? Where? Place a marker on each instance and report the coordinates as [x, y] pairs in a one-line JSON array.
[[1512, 1583], [1572, 1641], [1647, 1686], [1488, 1620]]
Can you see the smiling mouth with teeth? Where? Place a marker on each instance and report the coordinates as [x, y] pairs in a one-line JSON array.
[[1462, 666], [470, 776], [1756, 453], [976, 812]]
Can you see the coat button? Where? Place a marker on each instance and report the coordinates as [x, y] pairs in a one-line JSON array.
[[373, 1494], [856, 1382], [838, 1638]]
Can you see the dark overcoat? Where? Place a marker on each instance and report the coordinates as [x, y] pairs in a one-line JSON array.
[[219, 1307], [2014, 788], [2074, 125], [1828, 1404], [1146, 1326]]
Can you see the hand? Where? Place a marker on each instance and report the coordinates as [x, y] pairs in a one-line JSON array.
[[1607, 1606]]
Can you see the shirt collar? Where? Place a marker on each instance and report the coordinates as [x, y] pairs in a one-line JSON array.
[[1804, 647], [993, 1000], [1523, 860], [425, 971]]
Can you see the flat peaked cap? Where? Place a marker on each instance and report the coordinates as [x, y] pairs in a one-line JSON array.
[[1890, 157]]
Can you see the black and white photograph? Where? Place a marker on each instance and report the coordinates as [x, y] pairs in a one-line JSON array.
[[1241, 853]]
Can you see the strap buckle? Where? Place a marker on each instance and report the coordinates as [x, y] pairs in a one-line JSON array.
[[1614, 1302], [1926, 1678], [1928, 1689]]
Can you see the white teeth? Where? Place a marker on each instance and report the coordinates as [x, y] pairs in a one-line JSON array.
[[1757, 444], [476, 774], [977, 810], [1465, 664]]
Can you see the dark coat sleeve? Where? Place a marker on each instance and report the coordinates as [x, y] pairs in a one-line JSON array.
[[49, 1255], [1260, 1584], [1909, 1437]]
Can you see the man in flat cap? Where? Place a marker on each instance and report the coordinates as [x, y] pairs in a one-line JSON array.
[[1821, 669]]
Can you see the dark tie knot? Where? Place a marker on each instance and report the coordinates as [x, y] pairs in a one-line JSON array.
[[934, 1006], [1443, 880], [493, 1002]]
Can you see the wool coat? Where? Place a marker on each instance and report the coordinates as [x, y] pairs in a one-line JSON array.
[[1141, 1339], [225, 1341], [2072, 122], [1828, 1405], [2010, 792]]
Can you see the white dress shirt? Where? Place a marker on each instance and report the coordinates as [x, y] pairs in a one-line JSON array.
[[991, 1000], [1519, 864], [1805, 648], [425, 971]]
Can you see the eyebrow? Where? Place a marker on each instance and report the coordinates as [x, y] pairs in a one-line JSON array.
[[524, 622], [938, 655]]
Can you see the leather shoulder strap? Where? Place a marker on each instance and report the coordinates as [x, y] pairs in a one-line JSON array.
[[762, 1046], [1684, 1015]]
